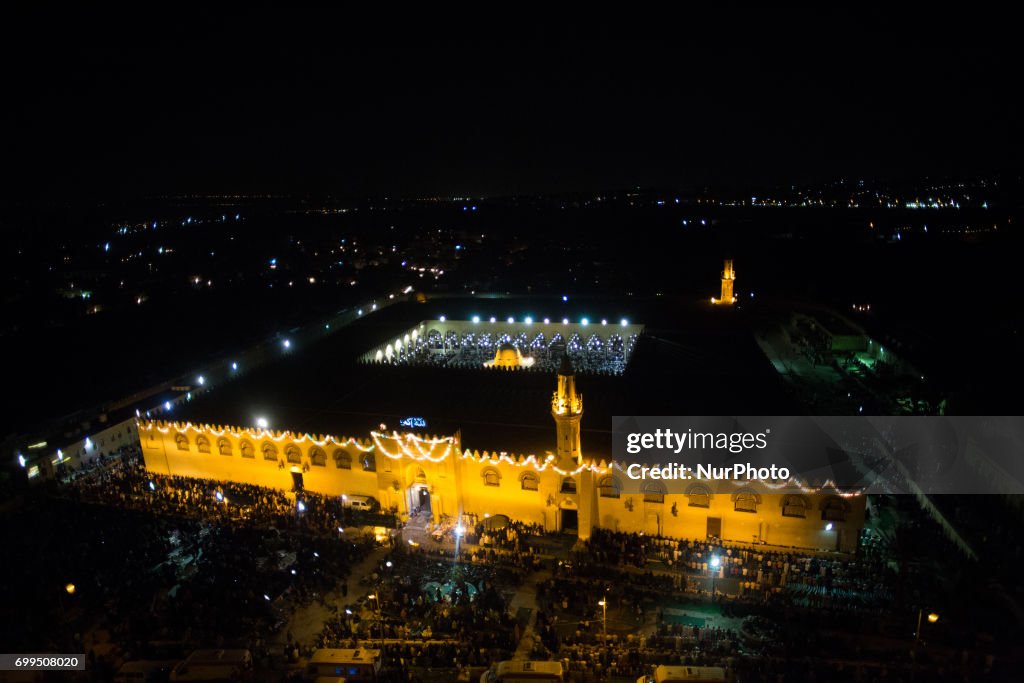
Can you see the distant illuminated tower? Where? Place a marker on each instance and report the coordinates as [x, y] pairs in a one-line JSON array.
[[567, 410], [728, 279]]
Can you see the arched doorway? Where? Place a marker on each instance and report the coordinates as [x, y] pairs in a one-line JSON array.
[[418, 493], [419, 499], [568, 518]]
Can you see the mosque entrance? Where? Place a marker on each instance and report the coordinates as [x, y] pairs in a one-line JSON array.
[[570, 521], [297, 484], [419, 499], [714, 527]]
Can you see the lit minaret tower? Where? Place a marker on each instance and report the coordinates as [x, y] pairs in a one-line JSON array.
[[567, 410], [728, 279]]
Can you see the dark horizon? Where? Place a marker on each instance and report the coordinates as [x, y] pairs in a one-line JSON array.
[[109, 105]]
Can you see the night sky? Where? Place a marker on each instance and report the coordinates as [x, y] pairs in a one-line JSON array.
[[140, 102]]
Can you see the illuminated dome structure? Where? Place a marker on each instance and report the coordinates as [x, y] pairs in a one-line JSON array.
[[508, 356]]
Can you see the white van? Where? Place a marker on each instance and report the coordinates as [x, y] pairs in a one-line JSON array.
[[364, 503]]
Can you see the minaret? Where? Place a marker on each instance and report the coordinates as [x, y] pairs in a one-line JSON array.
[[567, 410], [728, 279]]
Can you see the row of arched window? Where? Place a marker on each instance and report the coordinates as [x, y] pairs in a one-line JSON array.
[[832, 508], [528, 481], [269, 450]]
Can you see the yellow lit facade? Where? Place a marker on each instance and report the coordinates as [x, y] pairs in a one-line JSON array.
[[561, 490]]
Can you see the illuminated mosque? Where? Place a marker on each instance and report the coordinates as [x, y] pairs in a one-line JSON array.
[[562, 489]]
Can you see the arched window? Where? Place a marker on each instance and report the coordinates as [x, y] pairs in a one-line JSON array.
[[609, 487], [654, 492], [529, 481], [246, 448], [342, 460], [224, 446], [293, 454], [491, 477], [317, 456], [834, 509], [794, 506], [369, 462], [568, 485], [699, 496], [182, 441], [269, 451], [202, 444], [745, 502]]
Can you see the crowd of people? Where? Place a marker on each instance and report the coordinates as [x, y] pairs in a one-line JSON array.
[[126, 483], [812, 580], [162, 565], [220, 564], [433, 609]]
